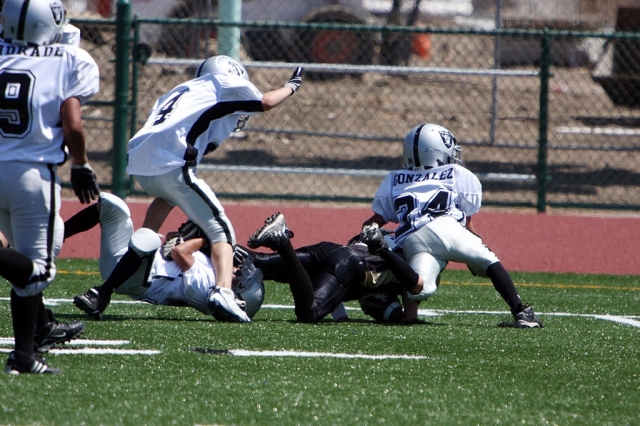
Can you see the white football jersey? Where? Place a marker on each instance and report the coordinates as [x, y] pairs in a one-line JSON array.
[[169, 285], [34, 82], [413, 198], [190, 121]]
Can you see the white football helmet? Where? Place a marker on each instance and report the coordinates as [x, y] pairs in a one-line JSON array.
[[430, 145], [37, 22], [225, 65], [248, 286], [222, 64]]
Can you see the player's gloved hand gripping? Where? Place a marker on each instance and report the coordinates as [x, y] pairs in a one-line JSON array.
[[296, 79], [84, 183]]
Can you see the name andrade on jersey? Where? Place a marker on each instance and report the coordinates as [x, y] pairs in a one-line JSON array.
[[404, 178], [32, 51]]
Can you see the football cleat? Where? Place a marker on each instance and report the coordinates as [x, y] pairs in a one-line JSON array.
[[223, 306], [92, 303], [371, 235], [56, 332], [33, 365], [274, 234], [526, 318]]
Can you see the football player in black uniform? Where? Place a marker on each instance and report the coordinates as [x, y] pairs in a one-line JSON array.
[[323, 275]]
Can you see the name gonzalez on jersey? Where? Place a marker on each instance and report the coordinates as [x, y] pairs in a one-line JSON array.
[[421, 176]]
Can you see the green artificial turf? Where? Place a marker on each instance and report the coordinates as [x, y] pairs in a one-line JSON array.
[[457, 366]]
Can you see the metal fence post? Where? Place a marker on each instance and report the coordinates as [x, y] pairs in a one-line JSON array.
[[229, 37], [121, 107], [541, 168]]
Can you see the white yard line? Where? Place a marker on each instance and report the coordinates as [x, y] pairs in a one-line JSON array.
[[77, 342], [621, 320], [96, 351], [81, 346], [242, 352]]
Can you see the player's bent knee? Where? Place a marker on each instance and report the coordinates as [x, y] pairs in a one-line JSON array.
[[144, 242], [41, 277], [428, 289], [32, 289], [112, 204]]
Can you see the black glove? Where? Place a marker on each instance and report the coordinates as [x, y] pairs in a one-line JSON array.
[[240, 254], [169, 245], [371, 235], [84, 183], [296, 80]]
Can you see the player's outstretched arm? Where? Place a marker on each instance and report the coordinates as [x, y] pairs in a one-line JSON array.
[[275, 97], [376, 218], [182, 254], [83, 179]]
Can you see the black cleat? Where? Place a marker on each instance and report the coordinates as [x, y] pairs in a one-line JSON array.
[[526, 318], [274, 234], [32, 365], [56, 332], [92, 303]]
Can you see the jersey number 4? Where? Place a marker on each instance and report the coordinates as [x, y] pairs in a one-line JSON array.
[[16, 90], [167, 107]]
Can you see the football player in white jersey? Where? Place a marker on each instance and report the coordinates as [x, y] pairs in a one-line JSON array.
[[433, 200], [190, 121], [42, 86], [178, 276]]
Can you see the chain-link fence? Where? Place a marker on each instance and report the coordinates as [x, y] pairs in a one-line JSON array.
[[545, 108]]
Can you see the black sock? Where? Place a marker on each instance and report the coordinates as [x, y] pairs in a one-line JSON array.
[[299, 280], [504, 285], [401, 269], [45, 316], [272, 266], [24, 314], [125, 268], [15, 267], [82, 221]]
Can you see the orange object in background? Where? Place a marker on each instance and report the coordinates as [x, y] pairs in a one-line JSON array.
[[421, 45]]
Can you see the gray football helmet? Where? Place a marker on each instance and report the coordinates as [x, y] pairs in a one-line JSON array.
[[248, 286], [430, 145], [37, 22], [222, 64]]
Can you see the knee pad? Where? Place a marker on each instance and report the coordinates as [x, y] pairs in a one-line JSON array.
[[39, 285], [144, 242], [112, 204], [428, 289]]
